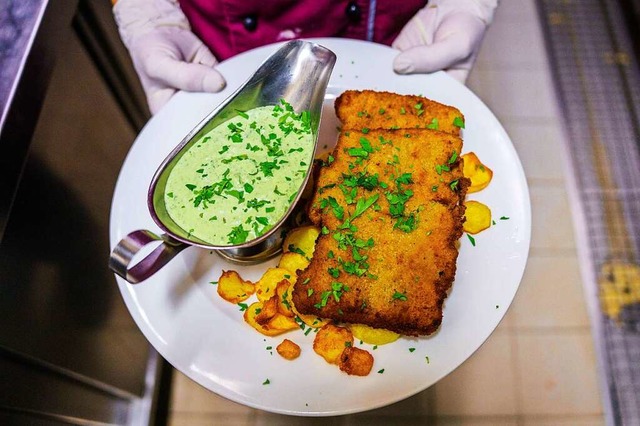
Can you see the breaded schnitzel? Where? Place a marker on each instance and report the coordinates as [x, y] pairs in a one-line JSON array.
[[389, 203], [385, 110]]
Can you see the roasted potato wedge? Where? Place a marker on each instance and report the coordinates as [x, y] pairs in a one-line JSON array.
[[373, 336], [479, 174], [288, 349], [301, 240], [355, 361], [266, 286], [330, 341], [232, 288], [267, 329], [292, 262], [477, 217]]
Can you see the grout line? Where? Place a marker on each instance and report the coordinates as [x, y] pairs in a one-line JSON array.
[[492, 66], [546, 182], [555, 331], [517, 377], [544, 252]]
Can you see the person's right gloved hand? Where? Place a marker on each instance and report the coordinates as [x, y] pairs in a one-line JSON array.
[[166, 55]]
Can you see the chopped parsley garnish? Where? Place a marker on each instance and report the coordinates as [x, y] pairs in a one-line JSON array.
[[406, 223], [458, 122], [434, 124], [399, 296], [337, 209], [364, 150], [442, 168], [238, 235], [473, 240], [295, 249]]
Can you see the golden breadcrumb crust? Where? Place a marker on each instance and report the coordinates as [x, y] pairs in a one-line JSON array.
[[383, 266]]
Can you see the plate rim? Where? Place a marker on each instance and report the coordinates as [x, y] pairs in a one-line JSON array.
[[126, 290]]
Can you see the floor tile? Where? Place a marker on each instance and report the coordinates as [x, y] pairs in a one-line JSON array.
[[539, 146], [513, 43], [477, 421], [552, 225], [433, 421], [270, 419], [208, 419], [522, 93], [421, 404], [189, 397], [516, 10], [479, 82], [557, 374], [484, 385], [563, 421], [550, 295]]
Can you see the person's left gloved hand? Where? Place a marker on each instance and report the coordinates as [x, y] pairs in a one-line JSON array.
[[444, 35]]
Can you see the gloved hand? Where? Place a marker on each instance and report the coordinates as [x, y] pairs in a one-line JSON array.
[[444, 35], [166, 55]]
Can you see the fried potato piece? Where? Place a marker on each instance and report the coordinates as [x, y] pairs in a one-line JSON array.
[[268, 310], [266, 286], [288, 349], [232, 288], [271, 328], [478, 217], [479, 174], [373, 336], [281, 322], [355, 361], [330, 341], [292, 262], [283, 297], [301, 240], [312, 321]]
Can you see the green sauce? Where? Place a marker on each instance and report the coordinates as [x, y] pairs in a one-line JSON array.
[[237, 182]]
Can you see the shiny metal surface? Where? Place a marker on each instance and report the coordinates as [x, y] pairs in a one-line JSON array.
[[299, 72], [69, 351]]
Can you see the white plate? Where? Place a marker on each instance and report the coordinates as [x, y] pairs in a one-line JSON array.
[[205, 337]]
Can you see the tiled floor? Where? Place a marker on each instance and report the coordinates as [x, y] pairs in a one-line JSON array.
[[539, 367]]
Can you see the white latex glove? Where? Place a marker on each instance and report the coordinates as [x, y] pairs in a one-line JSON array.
[[444, 35], [166, 55]]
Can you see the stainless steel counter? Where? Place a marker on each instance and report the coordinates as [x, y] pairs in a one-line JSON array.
[[69, 351]]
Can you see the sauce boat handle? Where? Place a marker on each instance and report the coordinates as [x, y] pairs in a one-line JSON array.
[[129, 246]]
